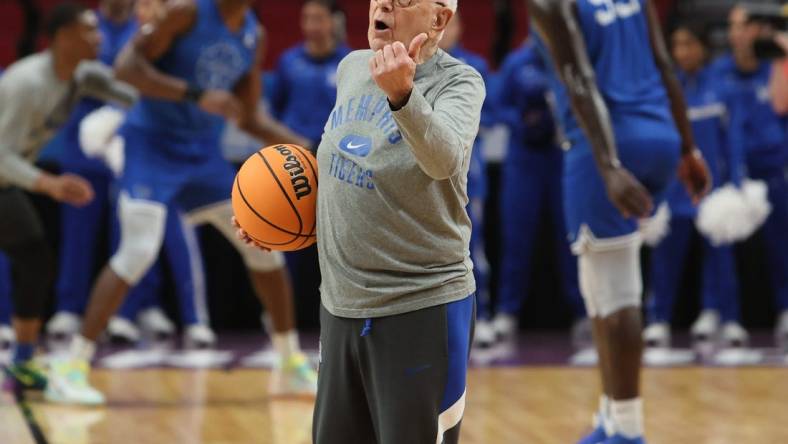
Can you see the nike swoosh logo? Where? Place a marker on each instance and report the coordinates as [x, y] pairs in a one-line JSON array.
[[351, 146]]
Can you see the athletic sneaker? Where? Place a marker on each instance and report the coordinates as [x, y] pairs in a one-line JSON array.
[[618, 439], [734, 335], [781, 331], [505, 325], [68, 383], [295, 376], [25, 376], [484, 334], [657, 335], [155, 324], [198, 336], [123, 331], [63, 325], [595, 437], [705, 327], [7, 337]]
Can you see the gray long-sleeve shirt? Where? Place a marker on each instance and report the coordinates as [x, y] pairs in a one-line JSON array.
[[35, 103], [393, 232]]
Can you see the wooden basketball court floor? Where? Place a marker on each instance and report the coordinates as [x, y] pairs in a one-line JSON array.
[[543, 405]]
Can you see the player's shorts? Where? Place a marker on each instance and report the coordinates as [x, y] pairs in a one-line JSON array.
[[593, 222], [186, 173], [396, 379]]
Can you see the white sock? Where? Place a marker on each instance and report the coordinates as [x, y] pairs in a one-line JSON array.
[[602, 416], [82, 348], [628, 417], [286, 344]]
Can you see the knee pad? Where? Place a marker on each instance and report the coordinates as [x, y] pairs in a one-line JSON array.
[[142, 225], [220, 217], [32, 271], [610, 280]]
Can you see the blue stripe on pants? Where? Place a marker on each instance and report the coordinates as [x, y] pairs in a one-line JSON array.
[[459, 317], [6, 306]]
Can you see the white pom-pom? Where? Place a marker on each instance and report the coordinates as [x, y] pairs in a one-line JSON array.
[[115, 155], [655, 228], [97, 130], [730, 214]]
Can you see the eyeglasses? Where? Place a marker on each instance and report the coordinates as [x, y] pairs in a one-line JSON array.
[[407, 3]]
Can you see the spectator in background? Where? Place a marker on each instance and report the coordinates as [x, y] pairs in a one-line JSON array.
[[760, 133], [720, 290], [477, 184], [531, 188]]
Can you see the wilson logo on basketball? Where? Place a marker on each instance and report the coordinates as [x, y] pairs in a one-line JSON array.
[[295, 169]]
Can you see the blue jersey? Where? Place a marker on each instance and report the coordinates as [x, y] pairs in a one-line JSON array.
[[522, 101], [305, 90], [477, 174], [617, 39], [754, 126], [210, 56]]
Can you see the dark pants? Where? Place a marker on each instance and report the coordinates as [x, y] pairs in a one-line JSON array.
[[396, 379], [22, 241]]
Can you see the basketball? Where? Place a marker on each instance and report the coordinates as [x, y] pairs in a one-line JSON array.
[[275, 197]]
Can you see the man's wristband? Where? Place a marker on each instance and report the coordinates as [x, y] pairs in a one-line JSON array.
[[193, 93]]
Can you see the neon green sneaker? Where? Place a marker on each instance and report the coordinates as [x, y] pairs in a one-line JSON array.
[[68, 384], [294, 377], [26, 376]]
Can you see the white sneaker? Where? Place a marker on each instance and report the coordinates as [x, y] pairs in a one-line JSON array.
[[734, 335], [484, 335], [505, 326], [706, 326], [7, 337], [155, 324], [781, 331], [582, 334], [294, 377], [63, 325], [122, 330], [657, 335], [198, 336], [68, 383]]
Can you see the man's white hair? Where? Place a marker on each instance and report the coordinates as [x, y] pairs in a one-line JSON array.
[[452, 4]]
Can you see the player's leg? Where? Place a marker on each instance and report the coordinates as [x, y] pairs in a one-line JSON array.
[[667, 265], [78, 247], [144, 295], [182, 248], [32, 270], [522, 198]]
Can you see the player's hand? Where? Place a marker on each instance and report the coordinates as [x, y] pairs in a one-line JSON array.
[[244, 237], [222, 103], [67, 188], [628, 195], [694, 174], [394, 67]]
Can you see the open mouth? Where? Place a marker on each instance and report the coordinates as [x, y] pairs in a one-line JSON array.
[[381, 26]]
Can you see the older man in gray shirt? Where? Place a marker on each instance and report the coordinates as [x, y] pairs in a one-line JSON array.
[[393, 234], [37, 95]]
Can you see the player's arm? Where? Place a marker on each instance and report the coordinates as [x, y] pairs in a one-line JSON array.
[[254, 121], [556, 22], [692, 171], [135, 62]]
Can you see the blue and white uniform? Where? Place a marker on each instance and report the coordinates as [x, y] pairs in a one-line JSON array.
[[531, 184], [617, 41], [708, 115], [477, 186], [760, 134]]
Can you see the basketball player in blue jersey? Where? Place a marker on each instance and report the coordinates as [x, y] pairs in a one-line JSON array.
[[531, 187], [720, 286], [761, 133], [194, 65], [477, 184], [615, 89]]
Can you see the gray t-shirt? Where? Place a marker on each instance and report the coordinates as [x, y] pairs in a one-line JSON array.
[[393, 232], [35, 103]]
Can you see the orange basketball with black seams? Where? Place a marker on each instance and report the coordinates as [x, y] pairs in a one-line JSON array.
[[275, 197]]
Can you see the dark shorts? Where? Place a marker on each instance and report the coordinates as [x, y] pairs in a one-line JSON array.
[[396, 379], [19, 221]]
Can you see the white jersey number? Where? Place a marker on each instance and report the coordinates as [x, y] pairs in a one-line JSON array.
[[612, 11]]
